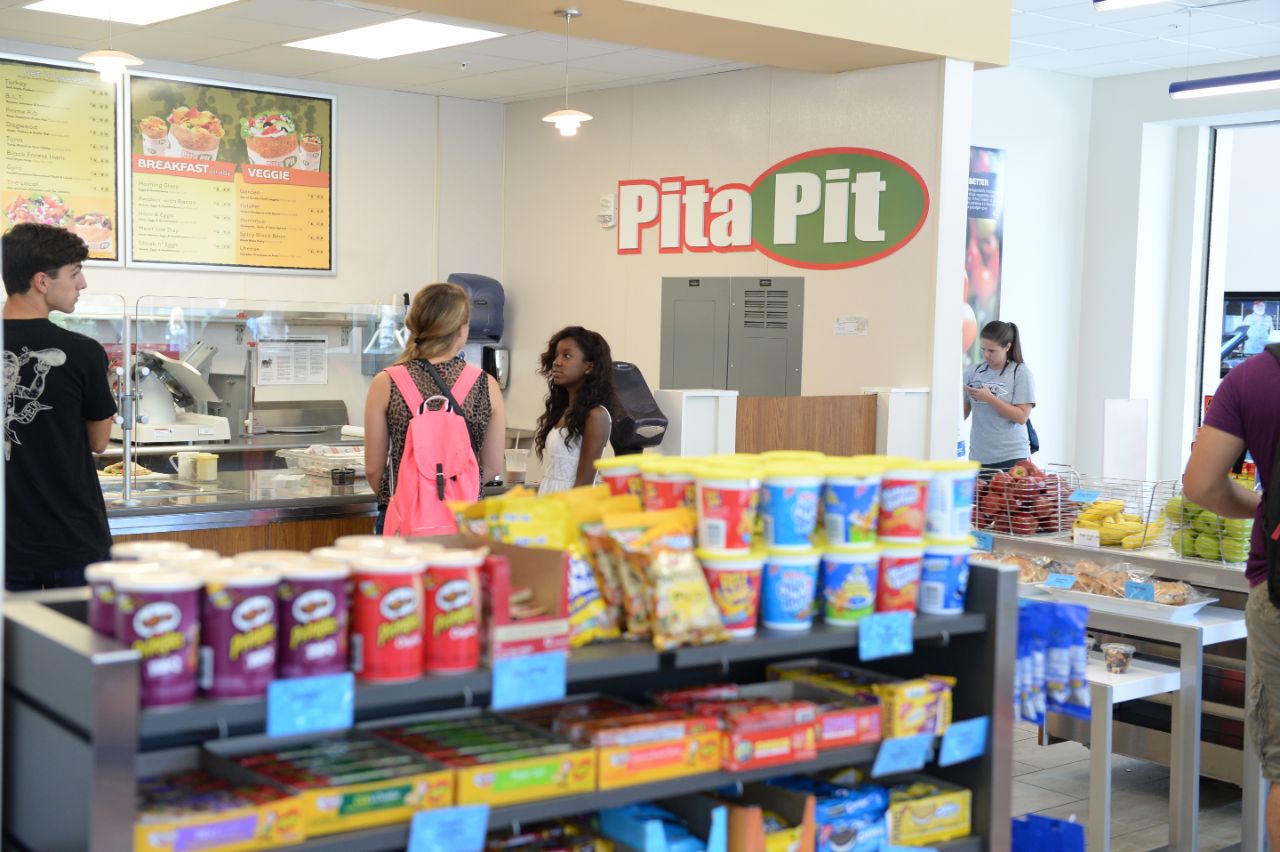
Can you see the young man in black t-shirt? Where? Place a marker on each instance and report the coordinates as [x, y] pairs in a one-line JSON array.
[[58, 412]]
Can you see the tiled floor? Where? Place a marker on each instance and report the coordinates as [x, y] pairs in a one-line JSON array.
[[1054, 781]]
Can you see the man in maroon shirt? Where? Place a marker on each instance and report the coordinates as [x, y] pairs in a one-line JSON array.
[[1245, 414]]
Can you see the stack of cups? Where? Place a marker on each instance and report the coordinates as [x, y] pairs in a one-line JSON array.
[[727, 500], [789, 501], [904, 496], [668, 482], [789, 589], [851, 514], [621, 474], [944, 579], [452, 611]]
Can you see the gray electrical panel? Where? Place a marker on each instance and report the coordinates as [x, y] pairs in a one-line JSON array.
[[766, 336], [695, 332], [744, 334]]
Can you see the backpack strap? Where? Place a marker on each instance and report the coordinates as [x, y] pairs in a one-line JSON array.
[[399, 374], [466, 381]]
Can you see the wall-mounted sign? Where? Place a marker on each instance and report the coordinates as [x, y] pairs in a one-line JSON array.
[[826, 209], [228, 177], [58, 152]]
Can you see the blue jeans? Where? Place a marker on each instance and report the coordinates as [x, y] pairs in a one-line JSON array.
[[47, 578], [381, 521]]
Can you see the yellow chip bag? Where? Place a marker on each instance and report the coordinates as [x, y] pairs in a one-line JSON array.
[[537, 522], [590, 620], [624, 529], [602, 550], [683, 611]]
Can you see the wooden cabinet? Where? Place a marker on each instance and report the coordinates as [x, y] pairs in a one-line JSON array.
[[226, 540], [278, 535], [317, 532]]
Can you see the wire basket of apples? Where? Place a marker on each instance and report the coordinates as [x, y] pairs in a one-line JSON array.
[[1201, 534], [1026, 500]]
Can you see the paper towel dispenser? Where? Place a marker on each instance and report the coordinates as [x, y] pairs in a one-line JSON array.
[[487, 305]]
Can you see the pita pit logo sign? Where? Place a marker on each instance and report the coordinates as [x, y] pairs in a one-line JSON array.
[[826, 209]]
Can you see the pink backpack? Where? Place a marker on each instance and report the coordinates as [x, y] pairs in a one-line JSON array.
[[438, 464]]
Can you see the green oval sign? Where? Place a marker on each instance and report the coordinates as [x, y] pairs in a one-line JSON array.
[[837, 207]]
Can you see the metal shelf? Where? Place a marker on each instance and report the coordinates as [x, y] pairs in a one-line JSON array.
[[397, 836]]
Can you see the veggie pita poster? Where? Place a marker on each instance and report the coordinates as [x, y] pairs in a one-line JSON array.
[[58, 152], [228, 177]]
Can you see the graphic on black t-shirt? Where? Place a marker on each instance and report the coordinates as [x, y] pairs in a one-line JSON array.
[[16, 392]]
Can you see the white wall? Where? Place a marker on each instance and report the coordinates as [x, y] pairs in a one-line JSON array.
[[1250, 244], [564, 268], [1041, 120], [409, 206], [1133, 236]]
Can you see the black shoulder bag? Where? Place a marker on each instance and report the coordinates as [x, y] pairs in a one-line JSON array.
[[1032, 437], [1271, 515]]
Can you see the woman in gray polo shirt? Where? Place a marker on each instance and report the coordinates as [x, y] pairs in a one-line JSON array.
[[1000, 393]]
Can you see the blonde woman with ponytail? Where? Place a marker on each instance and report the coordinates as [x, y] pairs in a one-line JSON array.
[[437, 323], [1000, 393]]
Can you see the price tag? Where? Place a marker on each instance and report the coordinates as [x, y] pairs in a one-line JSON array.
[[885, 634], [902, 754], [306, 705], [888, 847], [1086, 538], [964, 741], [1060, 581], [460, 829], [531, 679], [984, 541], [1081, 495], [1136, 591]]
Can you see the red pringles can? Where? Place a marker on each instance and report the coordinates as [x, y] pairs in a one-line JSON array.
[[452, 596], [386, 618]]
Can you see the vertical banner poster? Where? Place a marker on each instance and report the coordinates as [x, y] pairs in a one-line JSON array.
[[58, 152], [224, 177], [984, 246]]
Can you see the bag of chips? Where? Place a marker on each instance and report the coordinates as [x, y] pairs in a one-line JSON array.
[[683, 610], [589, 618], [1066, 684], [624, 529], [602, 551]]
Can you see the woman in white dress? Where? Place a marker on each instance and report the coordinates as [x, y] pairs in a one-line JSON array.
[[575, 427]]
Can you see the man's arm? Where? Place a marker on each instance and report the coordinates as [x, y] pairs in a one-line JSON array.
[[1207, 480], [99, 433]]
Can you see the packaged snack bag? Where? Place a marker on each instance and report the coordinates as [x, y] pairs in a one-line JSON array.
[[537, 522], [602, 551], [624, 529], [590, 619], [1066, 688], [683, 611]]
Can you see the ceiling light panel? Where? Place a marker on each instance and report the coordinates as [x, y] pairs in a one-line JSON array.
[[136, 12], [399, 37]]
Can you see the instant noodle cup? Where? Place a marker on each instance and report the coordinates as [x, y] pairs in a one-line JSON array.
[[144, 551], [788, 590], [904, 496], [101, 577], [849, 579], [851, 502], [158, 615], [365, 542], [386, 618], [949, 512], [451, 591], [191, 559], [622, 475], [313, 618], [789, 502], [944, 578], [239, 628], [668, 483], [898, 583], [271, 559], [784, 456], [728, 499], [735, 580]]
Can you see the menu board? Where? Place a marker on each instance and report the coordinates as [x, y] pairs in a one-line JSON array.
[[229, 177], [58, 152]]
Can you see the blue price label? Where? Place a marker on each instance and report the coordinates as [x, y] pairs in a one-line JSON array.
[[460, 829], [532, 679], [1082, 495], [1135, 591], [902, 754], [984, 541], [885, 634], [306, 705], [1060, 581], [964, 741], [888, 847]]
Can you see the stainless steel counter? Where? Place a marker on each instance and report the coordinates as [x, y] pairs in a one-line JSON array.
[[268, 442]]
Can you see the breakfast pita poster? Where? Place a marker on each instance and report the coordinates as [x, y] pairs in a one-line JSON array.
[[58, 152], [228, 177]]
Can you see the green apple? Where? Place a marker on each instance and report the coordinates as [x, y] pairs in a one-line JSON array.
[[1207, 547], [1237, 527], [1208, 523], [1184, 542], [1174, 511], [1235, 550], [1190, 510]]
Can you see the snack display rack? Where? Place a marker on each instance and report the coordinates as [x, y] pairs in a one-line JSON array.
[[76, 742]]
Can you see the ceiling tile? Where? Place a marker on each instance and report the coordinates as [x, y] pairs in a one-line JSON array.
[[283, 61], [1082, 38], [1023, 49], [1083, 12], [1067, 60], [1198, 57], [328, 16], [1175, 24], [1237, 37], [1266, 50], [228, 23], [525, 81], [7, 34], [1253, 11], [542, 48], [66, 26], [453, 57], [1041, 5], [1029, 24], [157, 43], [384, 76], [639, 63], [1115, 69], [1150, 48]]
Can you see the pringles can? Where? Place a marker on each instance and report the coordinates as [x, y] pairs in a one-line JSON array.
[[158, 615], [386, 618], [313, 619], [452, 607], [238, 643]]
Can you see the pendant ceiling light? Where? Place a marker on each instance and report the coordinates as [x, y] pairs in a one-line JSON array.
[[110, 64], [567, 120], [1230, 84]]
